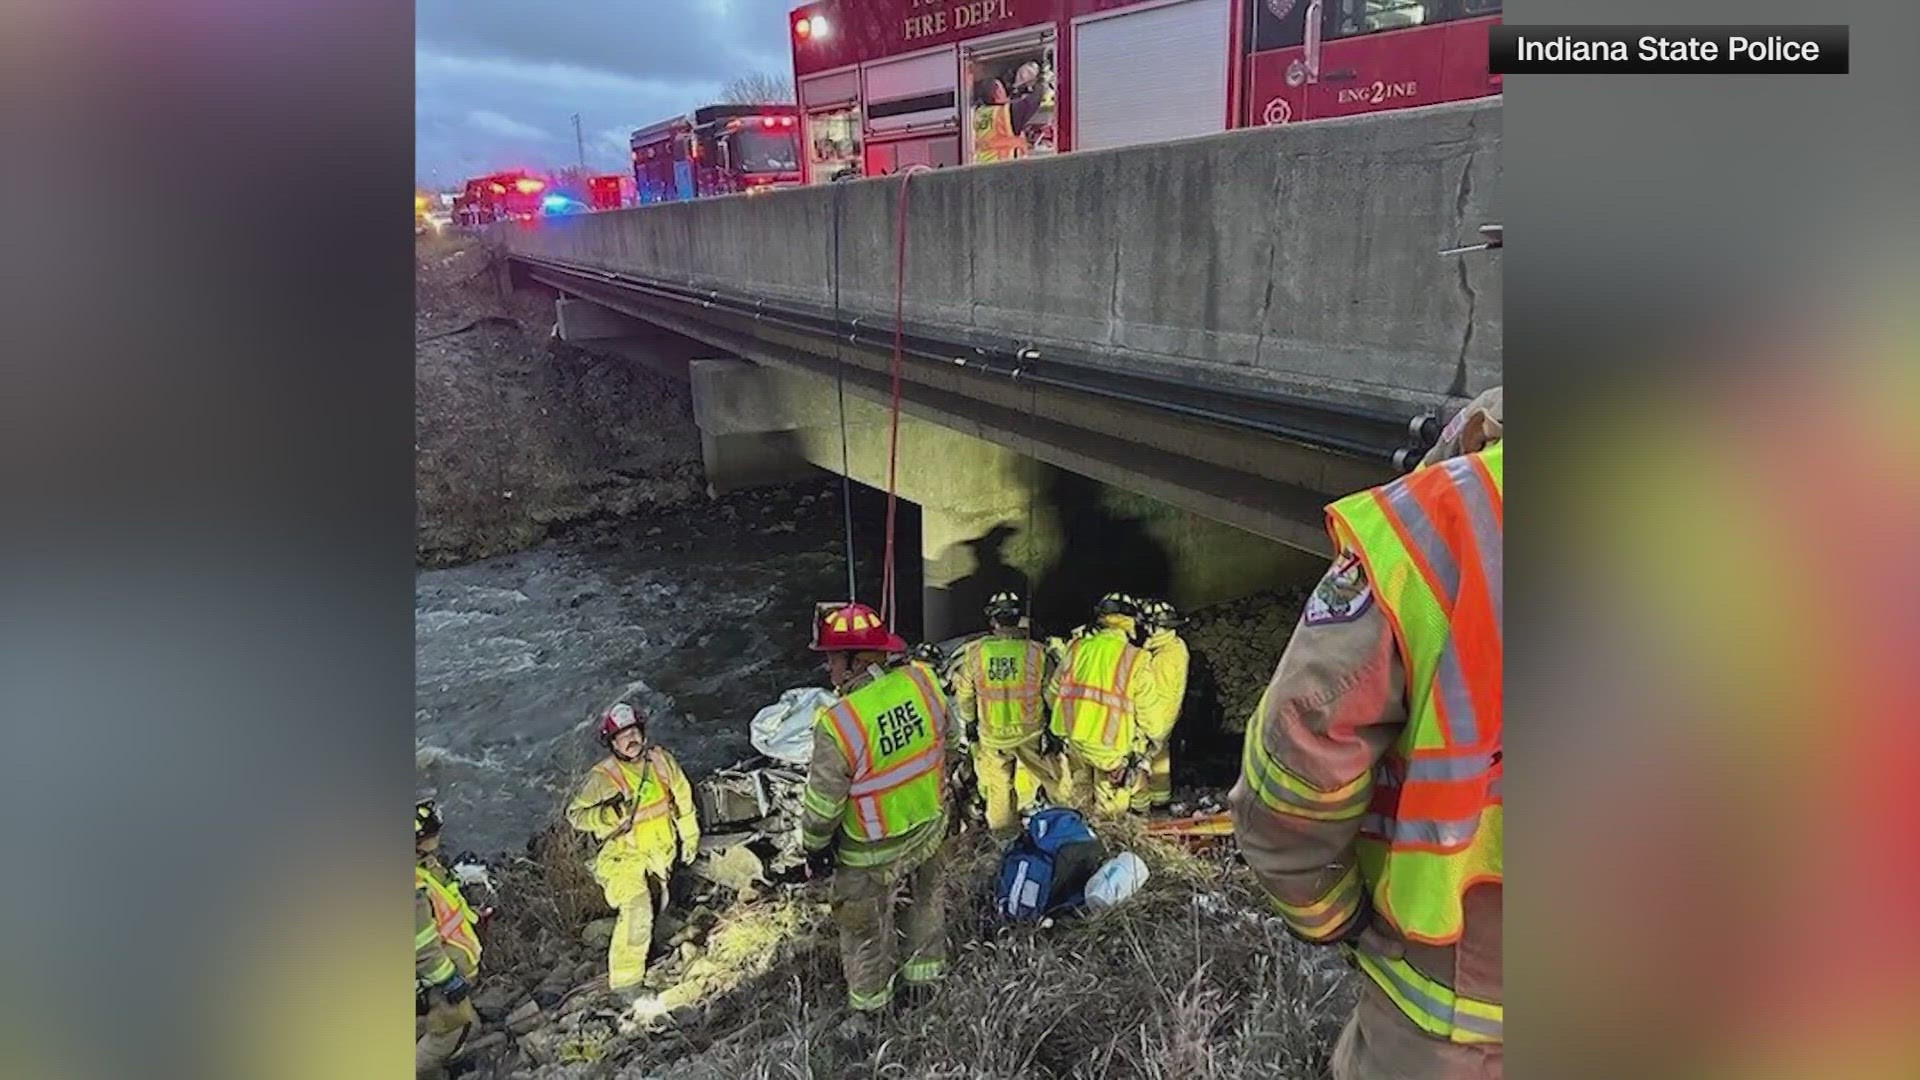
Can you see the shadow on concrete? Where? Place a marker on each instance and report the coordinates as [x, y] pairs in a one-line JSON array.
[[960, 604], [1101, 552]]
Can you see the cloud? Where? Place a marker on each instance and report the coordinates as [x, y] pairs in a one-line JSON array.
[[506, 127], [497, 82]]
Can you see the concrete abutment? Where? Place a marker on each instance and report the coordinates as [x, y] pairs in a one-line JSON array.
[[990, 518]]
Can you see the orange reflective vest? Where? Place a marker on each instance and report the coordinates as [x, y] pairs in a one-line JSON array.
[[893, 733], [1094, 709], [993, 136], [1007, 685], [1431, 544], [454, 921]]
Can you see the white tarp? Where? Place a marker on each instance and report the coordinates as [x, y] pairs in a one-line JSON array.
[[784, 730]]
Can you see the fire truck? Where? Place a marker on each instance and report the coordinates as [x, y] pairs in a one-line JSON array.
[[718, 150], [609, 192], [885, 84], [500, 197]]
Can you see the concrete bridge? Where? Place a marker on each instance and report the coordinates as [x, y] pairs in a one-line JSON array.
[[1144, 368]]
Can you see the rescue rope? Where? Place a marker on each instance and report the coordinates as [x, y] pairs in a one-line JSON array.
[[889, 610], [840, 391]]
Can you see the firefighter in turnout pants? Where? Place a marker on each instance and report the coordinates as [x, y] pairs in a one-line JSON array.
[[446, 948], [875, 809], [998, 696], [637, 803], [1159, 620], [1369, 802], [1098, 693]]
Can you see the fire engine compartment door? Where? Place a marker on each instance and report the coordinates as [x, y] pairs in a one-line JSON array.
[[830, 91], [915, 93], [1151, 75]]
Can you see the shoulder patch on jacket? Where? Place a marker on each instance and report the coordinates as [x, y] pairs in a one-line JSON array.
[[1343, 595]]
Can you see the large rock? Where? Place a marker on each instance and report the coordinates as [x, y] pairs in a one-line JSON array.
[[597, 934], [495, 1001]]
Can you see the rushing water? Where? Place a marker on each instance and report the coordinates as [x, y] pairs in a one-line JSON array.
[[705, 620]]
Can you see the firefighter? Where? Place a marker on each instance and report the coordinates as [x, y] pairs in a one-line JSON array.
[[874, 808], [446, 949], [638, 805], [1368, 804], [1103, 685], [931, 659], [1160, 622], [999, 683]]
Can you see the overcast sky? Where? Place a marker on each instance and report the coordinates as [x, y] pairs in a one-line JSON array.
[[496, 83]]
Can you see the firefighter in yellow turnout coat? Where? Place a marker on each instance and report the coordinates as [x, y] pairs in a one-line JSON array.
[[446, 948], [1100, 691], [999, 684], [875, 806], [1160, 621], [638, 804]]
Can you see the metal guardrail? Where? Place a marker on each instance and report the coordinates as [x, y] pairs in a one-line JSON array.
[[1395, 439]]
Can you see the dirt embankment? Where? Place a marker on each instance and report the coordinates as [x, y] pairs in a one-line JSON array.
[[518, 436]]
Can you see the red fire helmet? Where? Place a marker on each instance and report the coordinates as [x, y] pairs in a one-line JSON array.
[[619, 718], [855, 628]]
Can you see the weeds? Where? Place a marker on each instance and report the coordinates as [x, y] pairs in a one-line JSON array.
[[1189, 979]]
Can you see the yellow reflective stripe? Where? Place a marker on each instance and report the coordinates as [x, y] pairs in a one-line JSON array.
[[427, 936], [1343, 894], [920, 971], [879, 999], [442, 972], [1432, 1005], [820, 804], [1282, 791], [1328, 915]]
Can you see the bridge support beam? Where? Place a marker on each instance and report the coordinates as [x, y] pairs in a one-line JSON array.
[[751, 421], [990, 518], [583, 321]]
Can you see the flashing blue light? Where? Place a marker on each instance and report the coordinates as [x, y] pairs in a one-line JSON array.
[[555, 204]]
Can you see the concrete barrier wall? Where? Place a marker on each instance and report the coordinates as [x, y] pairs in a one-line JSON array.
[[1297, 255]]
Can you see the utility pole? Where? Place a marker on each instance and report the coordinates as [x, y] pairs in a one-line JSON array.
[[579, 142]]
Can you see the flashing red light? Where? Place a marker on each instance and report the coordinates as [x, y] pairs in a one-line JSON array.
[[803, 28], [527, 185], [497, 189], [786, 121], [766, 121]]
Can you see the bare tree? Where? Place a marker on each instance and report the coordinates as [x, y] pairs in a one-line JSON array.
[[759, 88]]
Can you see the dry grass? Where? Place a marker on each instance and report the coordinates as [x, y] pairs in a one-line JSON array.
[[548, 897], [1189, 979]]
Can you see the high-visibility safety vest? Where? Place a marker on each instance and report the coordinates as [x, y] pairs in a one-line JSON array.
[[993, 136], [892, 731], [650, 802], [454, 921], [1007, 686], [1431, 545], [1098, 713]]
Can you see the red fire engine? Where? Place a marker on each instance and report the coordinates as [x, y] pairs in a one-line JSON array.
[[719, 150], [884, 84], [608, 192], [499, 197]]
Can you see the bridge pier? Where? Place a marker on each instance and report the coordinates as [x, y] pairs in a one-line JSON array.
[[990, 518]]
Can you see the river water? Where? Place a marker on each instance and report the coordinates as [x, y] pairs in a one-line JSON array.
[[700, 612]]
